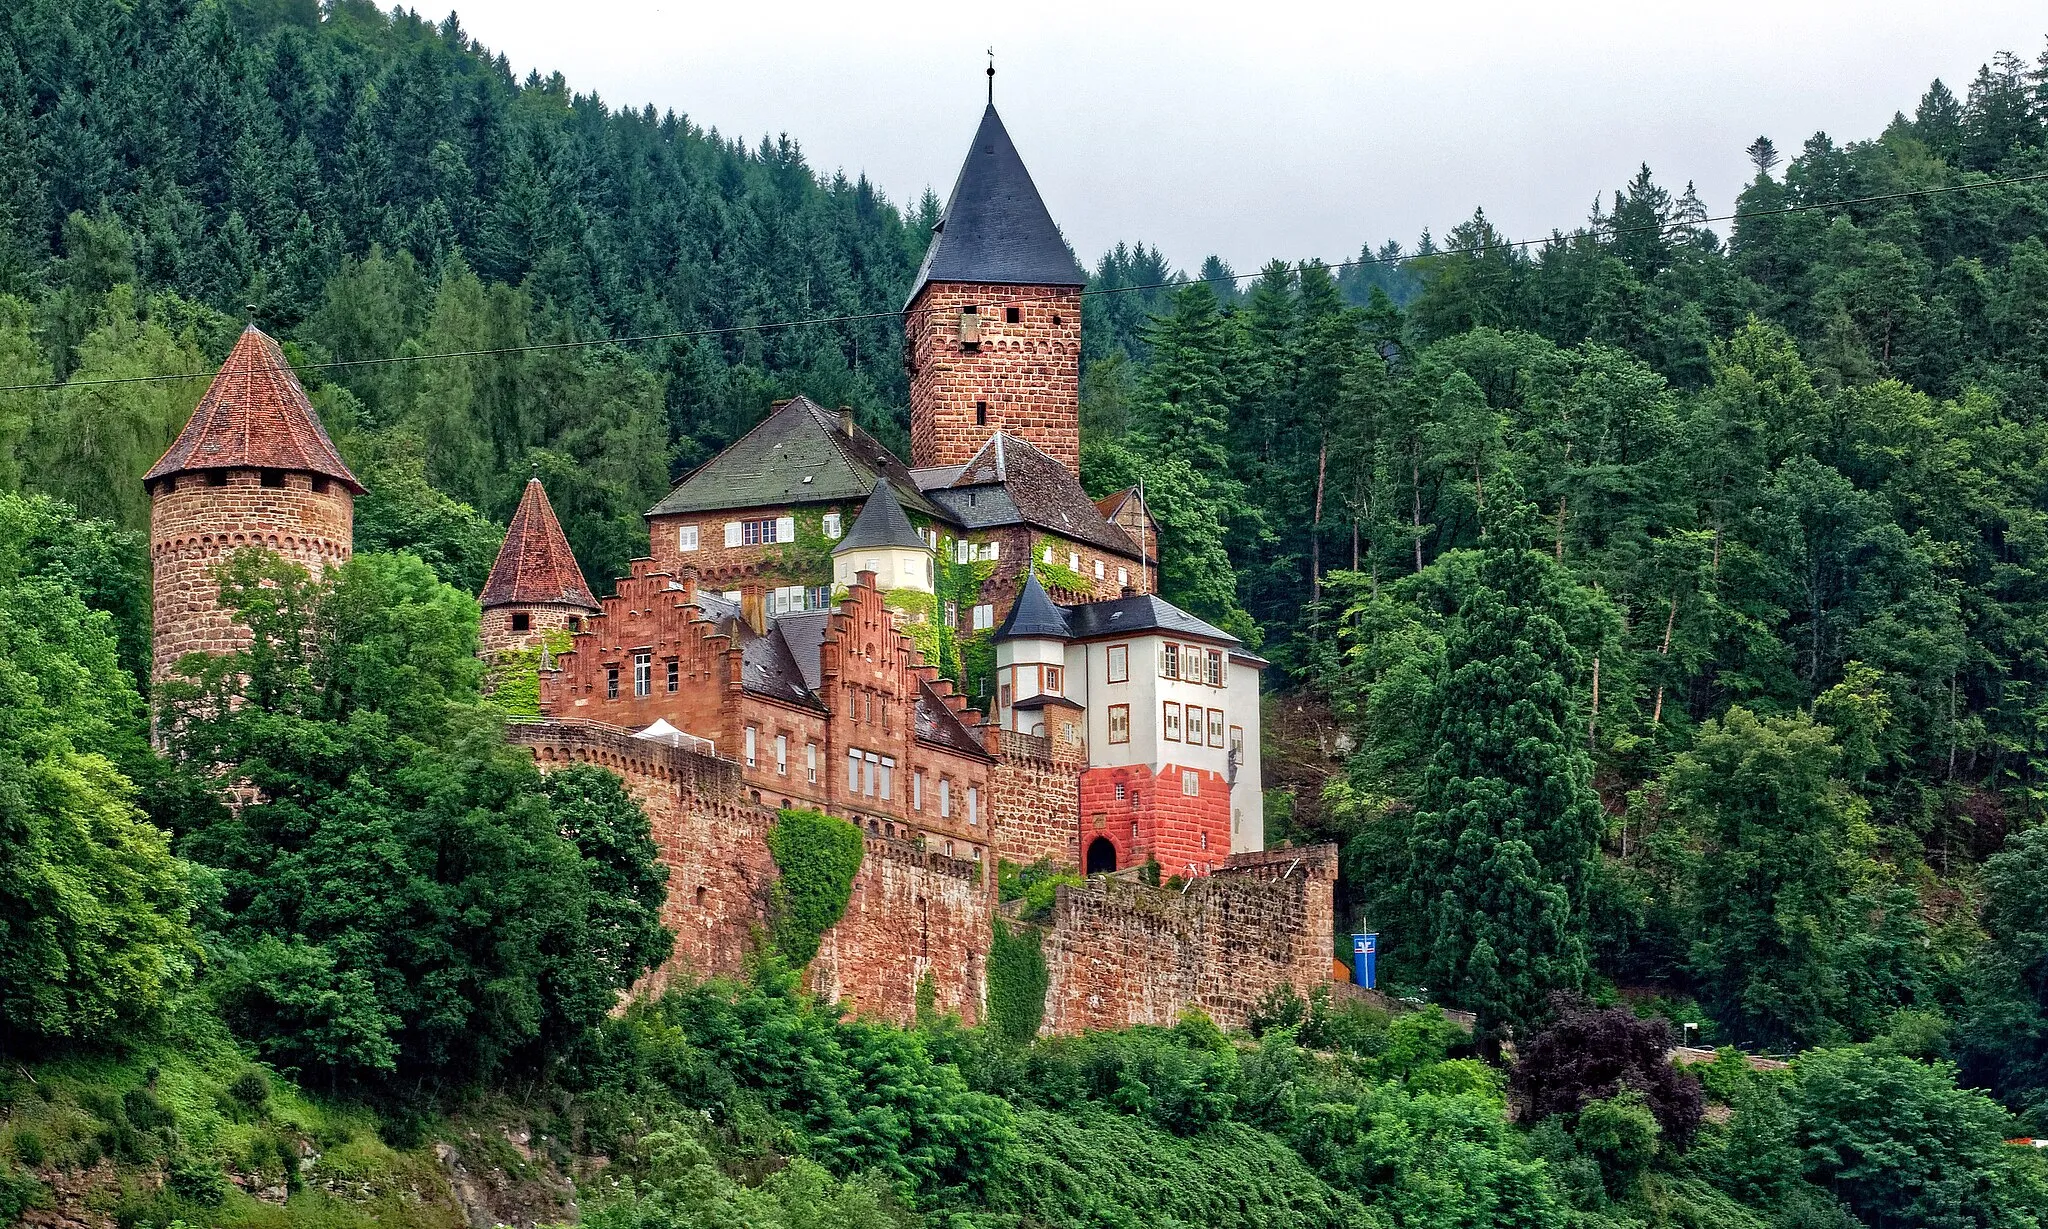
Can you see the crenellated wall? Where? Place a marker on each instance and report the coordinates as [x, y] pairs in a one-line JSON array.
[[914, 912], [1034, 801], [1122, 953]]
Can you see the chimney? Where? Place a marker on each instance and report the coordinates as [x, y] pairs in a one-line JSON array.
[[686, 576], [1129, 592], [846, 420], [754, 608]]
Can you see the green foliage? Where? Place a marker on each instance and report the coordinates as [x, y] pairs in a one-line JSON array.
[[1036, 885], [1017, 982], [2006, 1018], [95, 937], [677, 1184], [512, 679], [407, 893], [817, 856]]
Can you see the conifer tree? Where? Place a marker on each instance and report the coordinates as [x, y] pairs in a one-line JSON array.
[[1501, 847]]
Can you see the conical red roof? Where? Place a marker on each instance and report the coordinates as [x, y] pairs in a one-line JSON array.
[[535, 566], [255, 416]]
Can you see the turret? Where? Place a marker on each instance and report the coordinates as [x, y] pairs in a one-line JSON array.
[[252, 468], [535, 585], [1031, 663], [992, 333], [883, 541]]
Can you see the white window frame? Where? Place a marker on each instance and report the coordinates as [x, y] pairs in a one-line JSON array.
[[688, 538], [1215, 727], [917, 790], [733, 533], [831, 525], [1117, 663], [1123, 577], [1098, 569], [1045, 556], [782, 755], [984, 617], [1190, 783], [888, 793], [1169, 660], [1073, 561], [1119, 726], [750, 746], [973, 807], [852, 770], [811, 763], [1169, 721], [945, 798], [643, 675]]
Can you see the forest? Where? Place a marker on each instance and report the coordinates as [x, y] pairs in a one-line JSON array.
[[1659, 610]]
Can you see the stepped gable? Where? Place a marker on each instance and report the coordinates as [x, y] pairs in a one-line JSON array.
[[881, 523], [255, 415], [1009, 482], [535, 566], [801, 453], [996, 228], [1034, 616]]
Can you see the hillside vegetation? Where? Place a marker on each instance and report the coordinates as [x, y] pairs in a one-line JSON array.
[[1672, 597]]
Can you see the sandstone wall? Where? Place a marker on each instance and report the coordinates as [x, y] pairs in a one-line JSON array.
[[914, 912], [1122, 953], [1034, 802], [194, 526], [1027, 373]]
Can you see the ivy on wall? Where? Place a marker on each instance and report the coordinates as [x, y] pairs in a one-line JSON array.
[[808, 560], [818, 855], [1017, 982], [512, 681]]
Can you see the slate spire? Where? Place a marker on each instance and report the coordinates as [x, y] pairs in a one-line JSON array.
[[996, 228], [1035, 616], [255, 415], [882, 522], [535, 566]]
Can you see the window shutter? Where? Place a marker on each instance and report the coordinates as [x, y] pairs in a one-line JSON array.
[[785, 529], [995, 551], [732, 533], [1162, 661], [960, 549]]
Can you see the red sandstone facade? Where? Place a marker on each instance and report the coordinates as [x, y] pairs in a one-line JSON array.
[[1155, 818], [1022, 376]]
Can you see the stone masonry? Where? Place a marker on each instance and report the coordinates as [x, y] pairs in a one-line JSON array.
[[1122, 953], [1023, 377], [199, 518]]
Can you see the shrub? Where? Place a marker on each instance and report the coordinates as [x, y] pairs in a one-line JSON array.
[[818, 855], [1017, 981], [1591, 1055]]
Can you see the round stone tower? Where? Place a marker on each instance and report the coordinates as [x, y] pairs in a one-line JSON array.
[[253, 467], [535, 585]]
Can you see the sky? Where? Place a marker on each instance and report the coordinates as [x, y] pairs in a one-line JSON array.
[[1273, 129]]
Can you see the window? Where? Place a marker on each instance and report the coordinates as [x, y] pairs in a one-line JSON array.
[[732, 533], [575, 624], [675, 675], [319, 485], [1003, 698], [1237, 743], [272, 478], [1119, 791], [852, 771], [952, 614], [1190, 782], [1169, 725], [984, 617], [981, 413], [1045, 556], [522, 622], [1073, 561], [832, 525], [1119, 663], [686, 537], [216, 477], [1012, 315], [764, 532], [888, 781], [1191, 663], [611, 682], [790, 599], [874, 773], [973, 806], [949, 849], [1119, 729], [1215, 727], [1052, 680], [643, 674], [782, 755], [970, 326], [1169, 661], [1123, 576], [917, 791], [1215, 667], [750, 746], [811, 763], [945, 798], [1098, 569]]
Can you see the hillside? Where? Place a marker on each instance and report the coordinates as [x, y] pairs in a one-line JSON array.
[[1656, 611]]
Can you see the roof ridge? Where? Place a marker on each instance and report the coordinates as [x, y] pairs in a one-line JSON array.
[[535, 565]]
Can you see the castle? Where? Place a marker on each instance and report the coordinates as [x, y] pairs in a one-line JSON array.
[[965, 656]]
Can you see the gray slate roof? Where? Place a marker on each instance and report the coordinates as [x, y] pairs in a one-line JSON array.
[[996, 227], [767, 467], [937, 723], [1034, 616], [881, 523], [1143, 613], [1010, 482]]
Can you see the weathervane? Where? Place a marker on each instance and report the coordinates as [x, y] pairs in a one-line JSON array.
[[991, 76]]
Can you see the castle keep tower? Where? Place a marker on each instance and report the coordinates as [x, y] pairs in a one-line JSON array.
[[253, 467], [992, 337], [535, 585]]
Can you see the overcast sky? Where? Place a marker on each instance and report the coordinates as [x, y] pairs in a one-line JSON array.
[[1266, 129]]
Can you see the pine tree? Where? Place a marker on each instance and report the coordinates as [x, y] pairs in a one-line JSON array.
[[1502, 844]]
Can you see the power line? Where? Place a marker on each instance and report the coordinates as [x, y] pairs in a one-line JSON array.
[[1358, 263]]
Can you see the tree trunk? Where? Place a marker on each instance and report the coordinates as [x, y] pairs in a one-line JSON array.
[[1664, 650], [1593, 722], [1315, 537], [1415, 488], [1560, 528]]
